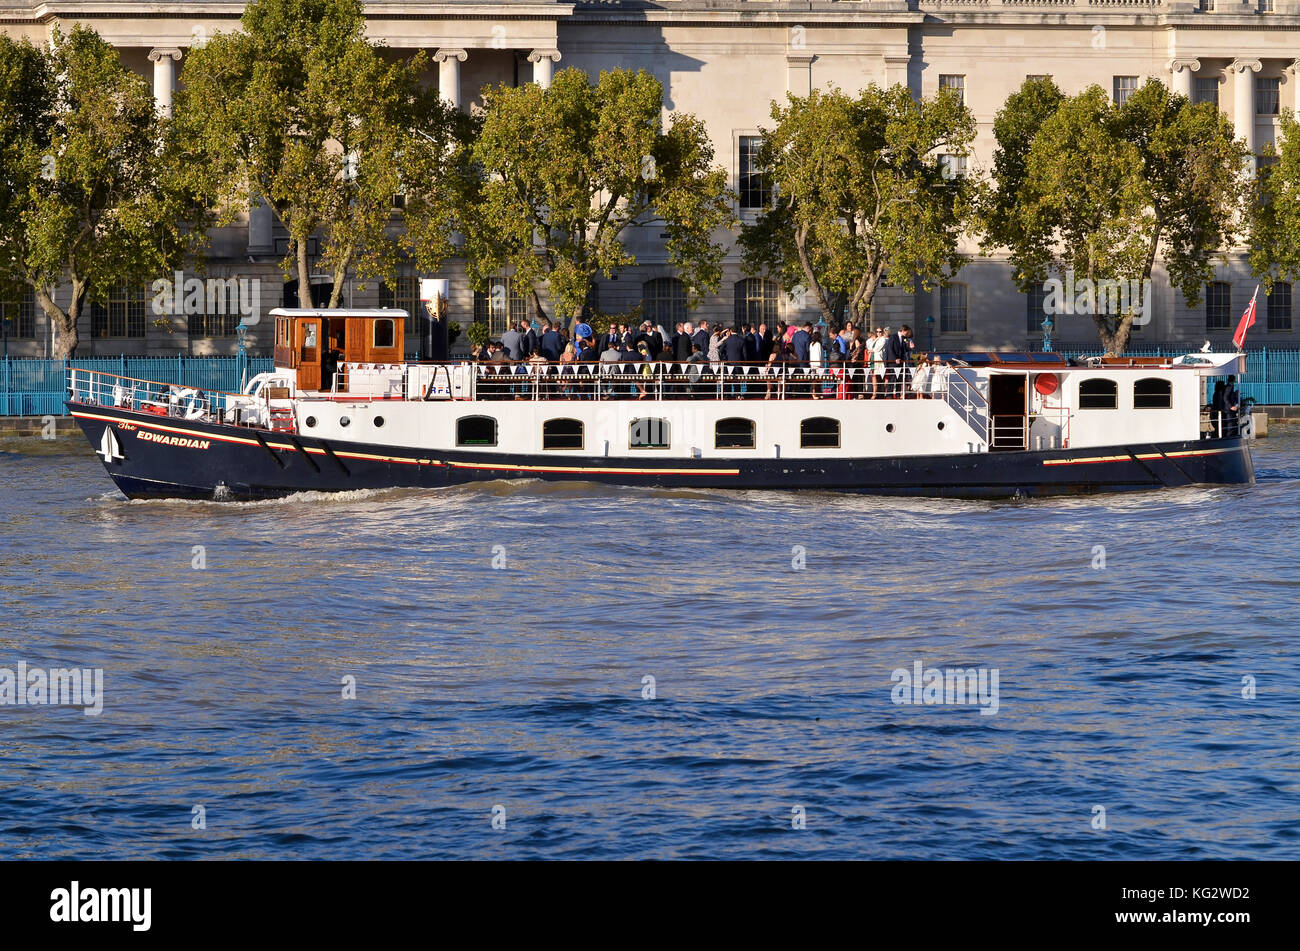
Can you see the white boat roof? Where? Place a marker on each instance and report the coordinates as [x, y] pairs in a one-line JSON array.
[[339, 312]]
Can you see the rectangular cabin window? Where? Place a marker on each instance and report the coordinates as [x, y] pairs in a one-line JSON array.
[[1098, 393], [651, 433], [820, 432], [734, 433], [384, 329], [562, 434], [1153, 393], [308, 336]]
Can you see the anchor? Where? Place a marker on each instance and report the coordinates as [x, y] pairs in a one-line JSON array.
[[109, 448]]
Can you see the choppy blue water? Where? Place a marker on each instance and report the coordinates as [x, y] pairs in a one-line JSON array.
[[521, 687]]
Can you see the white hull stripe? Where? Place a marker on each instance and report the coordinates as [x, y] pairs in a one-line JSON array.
[[1141, 455], [500, 467]]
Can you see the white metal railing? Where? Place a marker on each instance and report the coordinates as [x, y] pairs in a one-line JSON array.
[[96, 388]]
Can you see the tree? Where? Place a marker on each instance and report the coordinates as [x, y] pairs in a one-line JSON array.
[[1105, 191], [301, 110], [90, 193], [1274, 217], [861, 187], [565, 172]]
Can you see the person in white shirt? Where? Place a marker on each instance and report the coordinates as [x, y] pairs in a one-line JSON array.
[[921, 380]]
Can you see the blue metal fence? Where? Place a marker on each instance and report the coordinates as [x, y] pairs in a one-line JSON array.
[[37, 387]]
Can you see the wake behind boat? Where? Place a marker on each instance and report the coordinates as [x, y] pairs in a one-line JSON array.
[[356, 416]]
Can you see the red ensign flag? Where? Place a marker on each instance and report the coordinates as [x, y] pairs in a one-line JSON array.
[[1247, 321]]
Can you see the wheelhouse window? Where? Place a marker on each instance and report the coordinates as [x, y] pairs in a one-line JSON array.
[[1153, 393], [820, 432], [650, 433], [384, 332], [1098, 393], [734, 433], [562, 434], [476, 431]]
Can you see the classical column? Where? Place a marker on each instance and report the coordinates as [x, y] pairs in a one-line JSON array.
[[164, 78], [543, 61], [260, 222], [798, 73], [449, 61], [1243, 101], [1182, 70], [1291, 77]]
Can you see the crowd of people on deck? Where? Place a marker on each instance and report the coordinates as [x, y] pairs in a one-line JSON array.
[[854, 363]]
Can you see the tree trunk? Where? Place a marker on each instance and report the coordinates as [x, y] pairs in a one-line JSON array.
[[340, 278], [64, 322], [304, 273]]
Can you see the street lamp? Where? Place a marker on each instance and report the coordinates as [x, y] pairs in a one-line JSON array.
[[929, 329]]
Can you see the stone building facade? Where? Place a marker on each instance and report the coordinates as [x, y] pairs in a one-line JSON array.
[[725, 61]]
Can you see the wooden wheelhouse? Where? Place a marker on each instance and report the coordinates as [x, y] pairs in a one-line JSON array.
[[316, 344]]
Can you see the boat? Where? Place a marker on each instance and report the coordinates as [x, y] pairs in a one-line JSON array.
[[342, 410]]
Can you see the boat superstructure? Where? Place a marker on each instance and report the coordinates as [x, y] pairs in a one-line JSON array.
[[342, 411]]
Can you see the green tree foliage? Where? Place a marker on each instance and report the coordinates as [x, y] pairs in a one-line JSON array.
[[1105, 191], [564, 172], [1274, 220], [301, 109], [91, 197], [861, 187]]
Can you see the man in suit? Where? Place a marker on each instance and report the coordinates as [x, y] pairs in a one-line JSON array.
[[513, 341], [1231, 408], [898, 359], [531, 339], [682, 342], [551, 344], [733, 352], [762, 344], [701, 338]]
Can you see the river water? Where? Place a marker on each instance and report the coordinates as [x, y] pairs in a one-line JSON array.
[[467, 673]]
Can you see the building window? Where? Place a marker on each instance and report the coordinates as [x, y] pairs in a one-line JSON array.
[[733, 433], [121, 316], [1205, 89], [1206, 6], [1098, 393], [956, 83], [1153, 393], [1279, 308], [648, 434], [403, 293], [1125, 86], [19, 316], [952, 309], [385, 332], [502, 305], [212, 325], [664, 301], [820, 432], [1035, 298], [1265, 6], [753, 189], [756, 301], [562, 434], [1267, 95], [1037, 76], [476, 431], [1218, 306]]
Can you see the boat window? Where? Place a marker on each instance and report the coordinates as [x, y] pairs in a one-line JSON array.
[[1153, 393], [648, 434], [1098, 393], [734, 433], [383, 333], [562, 434], [820, 432], [476, 431]]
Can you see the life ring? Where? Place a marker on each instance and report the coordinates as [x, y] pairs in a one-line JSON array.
[[1046, 383]]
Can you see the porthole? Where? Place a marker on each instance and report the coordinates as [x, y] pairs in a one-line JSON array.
[[889, 427], [379, 421], [941, 425], [310, 421], [345, 421]]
